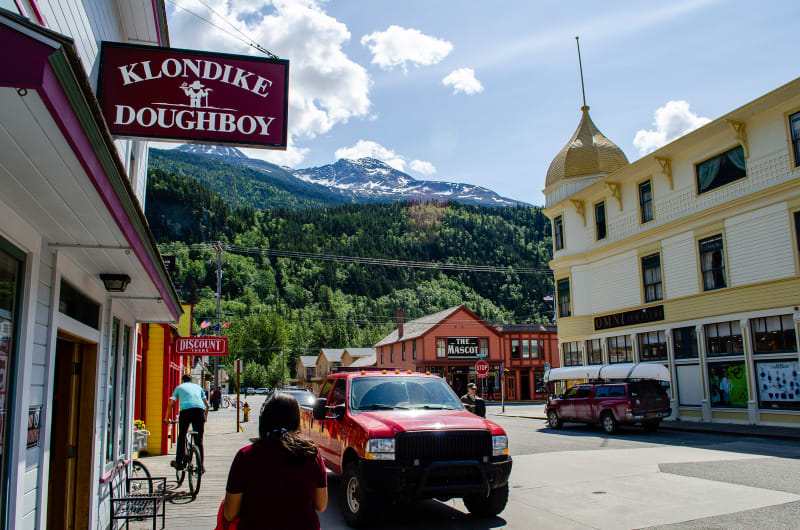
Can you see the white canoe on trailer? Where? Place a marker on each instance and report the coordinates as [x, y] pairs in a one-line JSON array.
[[656, 371]]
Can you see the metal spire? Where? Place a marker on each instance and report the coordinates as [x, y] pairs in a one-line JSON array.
[[583, 91]]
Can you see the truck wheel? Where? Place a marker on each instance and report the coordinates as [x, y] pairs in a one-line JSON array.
[[609, 423], [488, 506], [650, 426], [553, 420], [358, 508]]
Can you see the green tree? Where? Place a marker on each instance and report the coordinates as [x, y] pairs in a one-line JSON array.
[[254, 375]]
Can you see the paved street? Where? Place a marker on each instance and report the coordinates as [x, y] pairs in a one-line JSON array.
[[573, 478]]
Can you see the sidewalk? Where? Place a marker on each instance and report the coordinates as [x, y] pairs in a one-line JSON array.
[[221, 442], [536, 411]]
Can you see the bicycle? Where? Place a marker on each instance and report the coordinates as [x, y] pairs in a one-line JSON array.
[[139, 471], [225, 402], [194, 464]]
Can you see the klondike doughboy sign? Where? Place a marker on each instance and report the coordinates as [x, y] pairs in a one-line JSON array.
[[193, 96]]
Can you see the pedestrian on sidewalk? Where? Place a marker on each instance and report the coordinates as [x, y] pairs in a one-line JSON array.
[[279, 481], [216, 397]]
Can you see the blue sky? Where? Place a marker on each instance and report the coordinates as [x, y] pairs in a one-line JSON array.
[[392, 79]]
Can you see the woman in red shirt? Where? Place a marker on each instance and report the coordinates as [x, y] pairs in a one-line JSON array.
[[279, 481]]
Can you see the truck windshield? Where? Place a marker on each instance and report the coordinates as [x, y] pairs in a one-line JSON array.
[[376, 393]]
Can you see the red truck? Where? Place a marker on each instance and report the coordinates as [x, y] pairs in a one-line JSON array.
[[395, 435], [611, 404]]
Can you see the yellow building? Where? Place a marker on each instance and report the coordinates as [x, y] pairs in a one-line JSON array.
[[688, 257]]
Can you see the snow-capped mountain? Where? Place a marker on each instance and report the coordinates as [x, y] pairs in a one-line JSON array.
[[371, 179], [212, 150], [363, 180]]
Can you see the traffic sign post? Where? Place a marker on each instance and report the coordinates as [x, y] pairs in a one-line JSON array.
[[481, 368]]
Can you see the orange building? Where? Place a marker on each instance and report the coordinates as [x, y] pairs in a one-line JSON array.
[[450, 342]]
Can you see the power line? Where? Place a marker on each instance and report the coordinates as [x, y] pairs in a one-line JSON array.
[[242, 37], [377, 261]]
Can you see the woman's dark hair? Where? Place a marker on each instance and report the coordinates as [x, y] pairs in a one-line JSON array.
[[279, 423]]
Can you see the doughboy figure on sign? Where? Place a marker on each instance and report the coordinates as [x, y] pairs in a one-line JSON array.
[[196, 92]]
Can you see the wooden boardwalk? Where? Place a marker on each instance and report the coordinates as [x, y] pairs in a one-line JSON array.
[[221, 442]]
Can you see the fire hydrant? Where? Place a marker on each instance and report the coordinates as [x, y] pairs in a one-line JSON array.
[[246, 411]]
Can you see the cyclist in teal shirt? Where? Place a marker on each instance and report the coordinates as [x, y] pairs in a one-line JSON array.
[[193, 410]]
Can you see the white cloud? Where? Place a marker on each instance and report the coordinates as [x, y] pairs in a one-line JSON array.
[[463, 80], [326, 88], [370, 149], [422, 167], [403, 46], [672, 121]]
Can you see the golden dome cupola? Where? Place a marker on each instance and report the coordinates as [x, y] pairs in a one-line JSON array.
[[588, 153]]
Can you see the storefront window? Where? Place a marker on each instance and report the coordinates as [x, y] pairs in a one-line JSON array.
[[515, 349], [123, 393], [594, 351], [572, 354], [774, 334], [112, 385], [441, 348], [724, 338], [727, 383], [435, 370], [619, 349], [526, 349], [684, 341], [538, 381], [11, 263], [778, 384], [653, 346]]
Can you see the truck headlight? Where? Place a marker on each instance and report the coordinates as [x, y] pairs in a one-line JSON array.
[[380, 449], [499, 445]]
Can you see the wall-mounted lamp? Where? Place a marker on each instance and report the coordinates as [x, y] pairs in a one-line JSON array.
[[115, 283]]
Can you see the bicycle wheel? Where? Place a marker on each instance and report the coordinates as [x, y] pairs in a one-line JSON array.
[[138, 471], [195, 471], [225, 403]]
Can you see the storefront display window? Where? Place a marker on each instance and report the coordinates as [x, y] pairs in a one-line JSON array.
[[112, 385], [594, 351], [123, 393], [619, 349], [572, 354], [11, 267], [684, 341], [653, 346], [778, 384], [724, 338], [774, 334], [539, 385], [727, 383]]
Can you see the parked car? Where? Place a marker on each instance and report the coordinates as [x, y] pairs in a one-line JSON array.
[[262, 390], [610, 404], [249, 390], [304, 397]]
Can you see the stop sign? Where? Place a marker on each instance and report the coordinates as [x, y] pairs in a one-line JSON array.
[[482, 368]]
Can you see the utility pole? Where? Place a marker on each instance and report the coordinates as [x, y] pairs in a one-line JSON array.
[[219, 294]]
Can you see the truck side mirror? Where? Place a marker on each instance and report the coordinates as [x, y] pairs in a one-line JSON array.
[[320, 409], [338, 412], [480, 408]]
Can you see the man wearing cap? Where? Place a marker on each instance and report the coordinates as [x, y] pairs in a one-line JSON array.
[[470, 398]]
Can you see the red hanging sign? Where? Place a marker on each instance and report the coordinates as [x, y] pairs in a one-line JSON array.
[[194, 96]]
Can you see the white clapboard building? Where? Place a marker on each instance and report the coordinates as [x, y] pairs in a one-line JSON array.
[[79, 268]]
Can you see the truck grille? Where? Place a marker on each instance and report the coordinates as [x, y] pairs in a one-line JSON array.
[[439, 446]]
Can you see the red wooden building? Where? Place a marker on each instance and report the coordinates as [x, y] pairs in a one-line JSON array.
[[450, 342]]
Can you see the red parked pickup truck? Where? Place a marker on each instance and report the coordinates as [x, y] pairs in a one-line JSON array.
[[400, 435], [611, 404]]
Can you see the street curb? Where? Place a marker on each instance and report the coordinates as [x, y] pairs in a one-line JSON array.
[[688, 428]]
